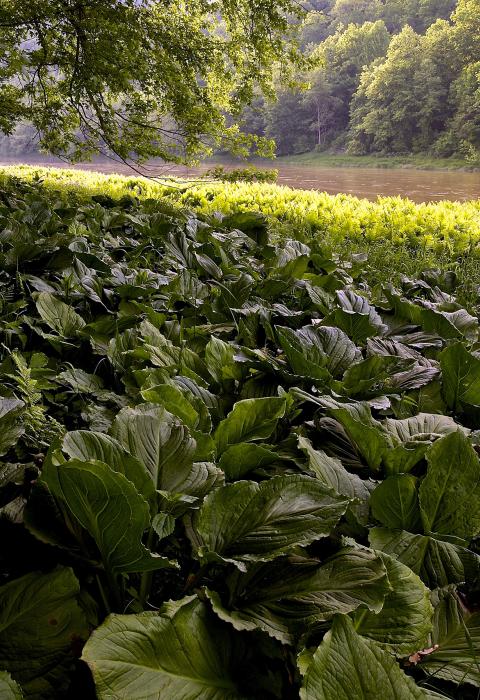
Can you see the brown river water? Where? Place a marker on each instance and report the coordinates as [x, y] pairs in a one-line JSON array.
[[418, 185]]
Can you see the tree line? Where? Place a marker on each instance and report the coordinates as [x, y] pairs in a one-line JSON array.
[[387, 77]]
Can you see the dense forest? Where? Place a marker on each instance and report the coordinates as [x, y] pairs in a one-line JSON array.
[[379, 77], [388, 76]]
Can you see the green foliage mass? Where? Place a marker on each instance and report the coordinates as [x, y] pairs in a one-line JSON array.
[[390, 223], [231, 469]]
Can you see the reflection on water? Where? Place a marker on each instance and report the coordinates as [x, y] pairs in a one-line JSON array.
[[418, 185]]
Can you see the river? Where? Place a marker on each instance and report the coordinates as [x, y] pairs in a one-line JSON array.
[[418, 185]]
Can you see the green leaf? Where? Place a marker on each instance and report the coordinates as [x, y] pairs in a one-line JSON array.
[[246, 521], [369, 436], [437, 563], [249, 420], [40, 621], [423, 426], [339, 350], [318, 352], [58, 315], [405, 620], [416, 434], [385, 374], [394, 503], [174, 401], [160, 441], [304, 353], [109, 507], [163, 524], [332, 473], [457, 632], [9, 690], [87, 445], [11, 428], [450, 493], [181, 653], [80, 381], [220, 360], [450, 324], [348, 667], [461, 377], [284, 597], [239, 460], [356, 317]]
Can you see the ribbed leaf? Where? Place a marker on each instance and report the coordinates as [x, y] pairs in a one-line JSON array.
[[109, 507], [181, 653], [437, 563], [450, 493], [347, 666], [461, 377], [394, 503], [88, 445], [405, 620], [457, 633], [249, 420], [58, 315], [160, 441], [40, 619], [285, 597], [246, 521], [332, 473]]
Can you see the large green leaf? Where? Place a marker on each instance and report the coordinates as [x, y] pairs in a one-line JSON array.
[[385, 374], [369, 436], [461, 377], [88, 445], [422, 426], [284, 597], [438, 563], [11, 427], [332, 473], [356, 317], [109, 507], [58, 315], [405, 620], [173, 400], [238, 460], [181, 653], [347, 666], [416, 434], [318, 352], [394, 503], [220, 360], [456, 630], [246, 521], [160, 441], [9, 690], [249, 420], [304, 353], [450, 493], [339, 350], [40, 624]]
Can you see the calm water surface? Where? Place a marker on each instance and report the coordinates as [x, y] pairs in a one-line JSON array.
[[418, 185]]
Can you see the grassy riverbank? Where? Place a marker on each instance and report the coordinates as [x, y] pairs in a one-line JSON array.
[[419, 162], [398, 236]]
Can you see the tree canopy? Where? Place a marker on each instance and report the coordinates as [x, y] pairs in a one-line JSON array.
[[136, 78]]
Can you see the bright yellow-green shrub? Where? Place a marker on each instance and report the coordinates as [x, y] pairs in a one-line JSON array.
[[451, 227]]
